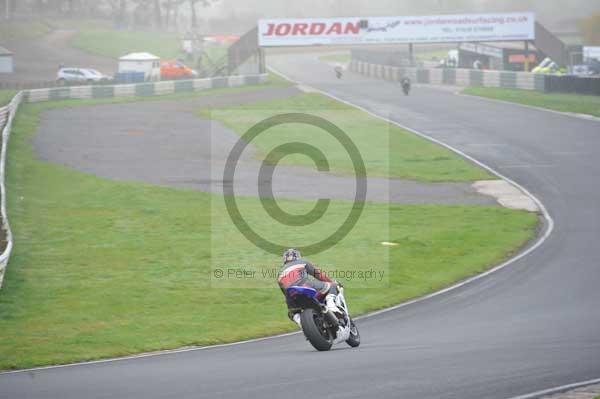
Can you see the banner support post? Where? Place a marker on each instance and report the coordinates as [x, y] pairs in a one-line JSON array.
[[526, 63]]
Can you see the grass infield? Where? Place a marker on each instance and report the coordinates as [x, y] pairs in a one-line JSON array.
[[5, 96], [387, 150], [116, 43]]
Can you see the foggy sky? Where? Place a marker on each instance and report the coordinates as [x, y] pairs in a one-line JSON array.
[[550, 12]]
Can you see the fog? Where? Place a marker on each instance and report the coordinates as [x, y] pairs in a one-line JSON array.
[[553, 13]]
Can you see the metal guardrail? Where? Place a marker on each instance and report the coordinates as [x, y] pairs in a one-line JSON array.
[[141, 89], [3, 117], [9, 112], [28, 85], [485, 78], [453, 76]]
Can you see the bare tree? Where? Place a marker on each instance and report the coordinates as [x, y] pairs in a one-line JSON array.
[[171, 8], [118, 11], [157, 14], [203, 3]]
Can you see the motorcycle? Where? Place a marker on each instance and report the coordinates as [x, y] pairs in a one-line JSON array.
[[405, 83], [321, 327], [338, 71]]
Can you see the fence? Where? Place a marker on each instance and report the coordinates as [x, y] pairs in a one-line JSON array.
[[80, 92], [453, 76], [28, 85], [141, 89], [472, 77], [572, 84], [7, 114]]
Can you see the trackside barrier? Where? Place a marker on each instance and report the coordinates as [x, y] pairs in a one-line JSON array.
[[141, 89], [8, 112], [453, 76]]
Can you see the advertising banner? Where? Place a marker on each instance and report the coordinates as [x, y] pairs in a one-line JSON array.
[[382, 30]]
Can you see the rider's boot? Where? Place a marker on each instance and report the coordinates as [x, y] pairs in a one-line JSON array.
[[297, 319], [331, 306]]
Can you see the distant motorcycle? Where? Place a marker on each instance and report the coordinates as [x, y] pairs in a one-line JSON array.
[[338, 71], [405, 83], [321, 327]]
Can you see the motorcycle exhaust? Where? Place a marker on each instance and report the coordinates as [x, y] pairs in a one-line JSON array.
[[330, 317]]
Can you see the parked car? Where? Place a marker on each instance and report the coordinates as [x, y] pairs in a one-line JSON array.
[[80, 75], [590, 68], [176, 70]]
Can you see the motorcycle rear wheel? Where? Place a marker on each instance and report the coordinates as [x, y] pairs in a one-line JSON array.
[[315, 333], [354, 339]]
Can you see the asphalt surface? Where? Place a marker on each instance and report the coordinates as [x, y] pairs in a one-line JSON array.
[[165, 143], [533, 325]]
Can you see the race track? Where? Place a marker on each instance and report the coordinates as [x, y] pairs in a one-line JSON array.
[[165, 143], [533, 325]]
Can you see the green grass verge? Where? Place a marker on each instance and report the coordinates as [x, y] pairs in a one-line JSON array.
[[116, 43], [386, 149], [6, 95], [103, 268], [278, 80], [578, 103], [23, 30]]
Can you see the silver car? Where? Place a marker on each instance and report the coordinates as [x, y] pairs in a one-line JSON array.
[[80, 75]]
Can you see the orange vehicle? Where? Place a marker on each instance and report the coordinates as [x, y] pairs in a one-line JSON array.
[[176, 70]]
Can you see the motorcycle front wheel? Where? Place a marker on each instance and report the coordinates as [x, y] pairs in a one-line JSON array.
[[314, 330], [354, 339]]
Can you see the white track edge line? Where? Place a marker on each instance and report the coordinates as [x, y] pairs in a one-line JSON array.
[[549, 228], [546, 215], [558, 389]]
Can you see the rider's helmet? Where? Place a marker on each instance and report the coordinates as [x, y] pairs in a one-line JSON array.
[[290, 255]]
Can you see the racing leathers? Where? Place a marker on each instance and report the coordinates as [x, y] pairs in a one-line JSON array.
[[301, 272]]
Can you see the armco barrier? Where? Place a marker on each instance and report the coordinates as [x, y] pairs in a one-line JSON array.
[[454, 76], [572, 84], [8, 112], [141, 89]]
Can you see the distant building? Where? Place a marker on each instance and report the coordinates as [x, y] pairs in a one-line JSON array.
[[6, 61], [147, 63]]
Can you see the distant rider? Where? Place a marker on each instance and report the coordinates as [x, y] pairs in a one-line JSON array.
[[300, 272]]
